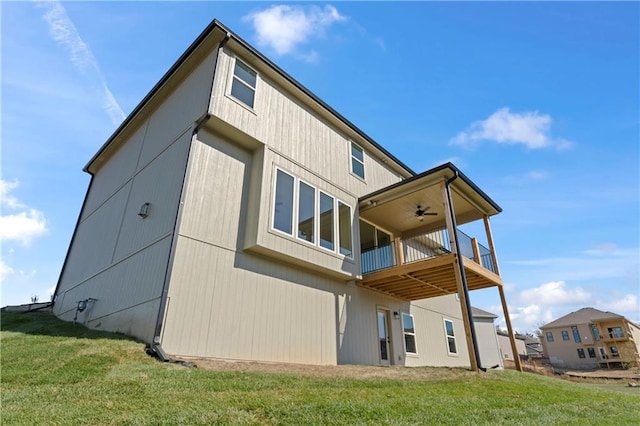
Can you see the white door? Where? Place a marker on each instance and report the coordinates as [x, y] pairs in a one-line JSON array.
[[383, 337]]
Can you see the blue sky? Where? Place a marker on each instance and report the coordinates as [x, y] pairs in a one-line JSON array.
[[537, 102]]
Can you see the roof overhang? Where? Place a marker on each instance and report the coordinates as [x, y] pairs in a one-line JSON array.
[[394, 208]]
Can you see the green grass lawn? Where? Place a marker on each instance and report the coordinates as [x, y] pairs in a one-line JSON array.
[[60, 373]]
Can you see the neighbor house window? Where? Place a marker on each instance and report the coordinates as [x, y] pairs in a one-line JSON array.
[[243, 85], [565, 335], [615, 332], [549, 336], [580, 353], [357, 160], [303, 211], [596, 333], [409, 333], [592, 352], [576, 334], [614, 352], [451, 337]]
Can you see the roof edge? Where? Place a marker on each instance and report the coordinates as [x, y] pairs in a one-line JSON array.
[[213, 25]]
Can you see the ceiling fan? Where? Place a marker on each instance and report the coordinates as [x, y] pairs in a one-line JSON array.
[[421, 213]]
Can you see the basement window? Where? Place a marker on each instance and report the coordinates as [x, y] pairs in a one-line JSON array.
[[243, 85], [592, 352], [409, 334], [451, 337], [581, 353]]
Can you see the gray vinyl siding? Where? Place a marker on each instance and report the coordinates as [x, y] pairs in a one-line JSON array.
[[118, 257], [488, 345]]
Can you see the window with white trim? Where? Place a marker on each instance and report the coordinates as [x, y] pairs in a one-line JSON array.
[[317, 217], [357, 160], [451, 337], [409, 333], [243, 84]]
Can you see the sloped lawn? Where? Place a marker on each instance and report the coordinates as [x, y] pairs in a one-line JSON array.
[[60, 373]]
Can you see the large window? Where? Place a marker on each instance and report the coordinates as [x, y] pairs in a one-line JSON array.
[[565, 335], [243, 86], [451, 337], [576, 334], [283, 209], [549, 336], [314, 214], [357, 160], [409, 333]]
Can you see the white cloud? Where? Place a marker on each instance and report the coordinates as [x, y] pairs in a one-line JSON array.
[[283, 28], [529, 128], [628, 303], [5, 270], [554, 293], [64, 32], [22, 226]]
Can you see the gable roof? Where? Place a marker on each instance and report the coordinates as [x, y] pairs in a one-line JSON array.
[[581, 316], [216, 30], [479, 313]]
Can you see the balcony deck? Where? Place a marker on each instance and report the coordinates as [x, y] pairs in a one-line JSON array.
[[431, 277]]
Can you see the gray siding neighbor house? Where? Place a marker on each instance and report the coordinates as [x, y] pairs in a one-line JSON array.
[[235, 215]]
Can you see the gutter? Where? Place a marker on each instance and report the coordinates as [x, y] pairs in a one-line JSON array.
[[463, 274], [155, 345]]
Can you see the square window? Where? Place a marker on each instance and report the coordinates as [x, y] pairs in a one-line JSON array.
[[243, 85]]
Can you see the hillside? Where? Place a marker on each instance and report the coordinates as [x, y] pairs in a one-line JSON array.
[[60, 373]]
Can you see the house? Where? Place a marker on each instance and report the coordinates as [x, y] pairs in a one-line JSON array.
[[590, 338], [534, 347], [507, 351], [488, 346], [236, 215]]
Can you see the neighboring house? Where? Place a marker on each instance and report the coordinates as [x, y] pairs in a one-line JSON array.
[[534, 347], [488, 346], [590, 338], [504, 340], [235, 215]]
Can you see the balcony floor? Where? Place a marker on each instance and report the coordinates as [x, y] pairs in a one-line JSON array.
[[428, 278]]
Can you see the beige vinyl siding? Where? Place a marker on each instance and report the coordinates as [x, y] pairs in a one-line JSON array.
[[294, 130], [429, 316], [127, 294], [488, 345]]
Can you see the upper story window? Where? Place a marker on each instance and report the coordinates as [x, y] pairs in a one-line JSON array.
[[243, 86], [312, 213], [576, 334], [549, 336], [565, 335], [596, 333], [357, 160], [615, 332]]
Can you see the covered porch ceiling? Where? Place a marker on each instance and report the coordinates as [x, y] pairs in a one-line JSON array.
[[394, 208]]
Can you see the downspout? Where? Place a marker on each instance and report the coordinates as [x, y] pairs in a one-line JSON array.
[[155, 346], [463, 274]]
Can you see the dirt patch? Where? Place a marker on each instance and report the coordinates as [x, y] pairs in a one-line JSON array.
[[345, 371]]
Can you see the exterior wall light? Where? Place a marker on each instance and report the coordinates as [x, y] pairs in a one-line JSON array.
[[144, 210]]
